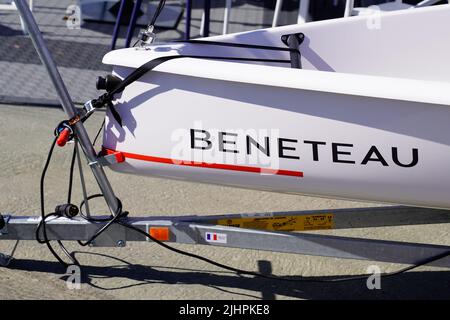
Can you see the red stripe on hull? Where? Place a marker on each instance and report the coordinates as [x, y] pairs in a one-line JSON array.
[[207, 165]]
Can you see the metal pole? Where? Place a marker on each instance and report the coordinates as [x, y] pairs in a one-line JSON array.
[[132, 25], [226, 16], [428, 3], [187, 33], [117, 25], [276, 13], [349, 5], [207, 18], [67, 104], [303, 11], [83, 184]]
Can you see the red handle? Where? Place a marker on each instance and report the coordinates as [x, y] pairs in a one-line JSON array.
[[63, 137]]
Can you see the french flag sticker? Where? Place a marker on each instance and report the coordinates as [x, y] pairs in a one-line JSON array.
[[216, 237]]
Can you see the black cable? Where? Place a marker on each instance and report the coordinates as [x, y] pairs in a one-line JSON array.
[[43, 215], [282, 278], [98, 132], [109, 220], [69, 200], [40, 224], [158, 11], [72, 167], [155, 16], [117, 215], [136, 42], [84, 216]]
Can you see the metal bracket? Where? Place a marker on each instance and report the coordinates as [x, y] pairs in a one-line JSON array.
[[109, 160], [300, 37], [293, 41], [115, 237], [89, 108]]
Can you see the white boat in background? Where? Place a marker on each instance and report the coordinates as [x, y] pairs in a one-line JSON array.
[[368, 116]]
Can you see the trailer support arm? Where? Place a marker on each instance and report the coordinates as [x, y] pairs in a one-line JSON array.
[[204, 231]]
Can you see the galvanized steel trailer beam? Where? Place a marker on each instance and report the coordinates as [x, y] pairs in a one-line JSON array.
[[195, 230]]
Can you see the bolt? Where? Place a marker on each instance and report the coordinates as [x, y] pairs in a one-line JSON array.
[[121, 243]]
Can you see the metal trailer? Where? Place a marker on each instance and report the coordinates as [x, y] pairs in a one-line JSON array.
[[264, 231]]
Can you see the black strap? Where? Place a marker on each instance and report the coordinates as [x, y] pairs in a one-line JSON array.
[[107, 98], [146, 67], [115, 113], [139, 72], [237, 45]]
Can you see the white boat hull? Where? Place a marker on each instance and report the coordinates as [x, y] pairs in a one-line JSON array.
[[328, 134]]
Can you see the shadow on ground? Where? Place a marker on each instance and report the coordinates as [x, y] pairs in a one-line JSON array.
[[9, 32], [410, 285]]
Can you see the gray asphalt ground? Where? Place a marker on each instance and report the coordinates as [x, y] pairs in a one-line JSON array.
[[147, 271]]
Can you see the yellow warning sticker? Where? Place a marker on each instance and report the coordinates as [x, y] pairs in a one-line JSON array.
[[282, 223]]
